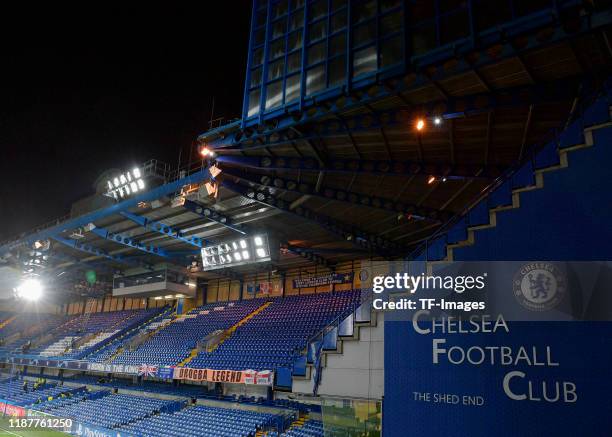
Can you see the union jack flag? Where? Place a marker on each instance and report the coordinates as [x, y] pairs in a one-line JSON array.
[[146, 370]]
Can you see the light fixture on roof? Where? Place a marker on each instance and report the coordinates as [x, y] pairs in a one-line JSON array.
[[125, 184], [437, 121], [431, 180], [420, 124], [246, 250], [206, 151]]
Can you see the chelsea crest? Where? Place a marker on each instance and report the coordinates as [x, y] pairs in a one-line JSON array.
[[539, 286]]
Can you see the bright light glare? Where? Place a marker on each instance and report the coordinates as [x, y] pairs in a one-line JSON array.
[[141, 184], [136, 173], [237, 256], [420, 124], [243, 244], [245, 254], [437, 121], [258, 241], [261, 252], [30, 289]]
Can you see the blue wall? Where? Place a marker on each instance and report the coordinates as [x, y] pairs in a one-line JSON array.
[[569, 220]]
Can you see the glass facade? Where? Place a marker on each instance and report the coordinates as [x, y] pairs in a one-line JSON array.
[[300, 49]]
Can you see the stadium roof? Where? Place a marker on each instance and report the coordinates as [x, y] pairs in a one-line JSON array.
[[351, 177]]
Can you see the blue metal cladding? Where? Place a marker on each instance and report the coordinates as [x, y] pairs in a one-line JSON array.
[[306, 51]]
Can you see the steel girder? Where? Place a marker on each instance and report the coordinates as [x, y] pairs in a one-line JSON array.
[[284, 129], [213, 215], [241, 228], [356, 236], [88, 248], [132, 242], [273, 184], [371, 167], [148, 196], [163, 229]]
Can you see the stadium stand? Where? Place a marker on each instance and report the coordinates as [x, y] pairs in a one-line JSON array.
[[25, 393], [202, 421], [174, 343], [113, 410], [94, 328], [279, 334]]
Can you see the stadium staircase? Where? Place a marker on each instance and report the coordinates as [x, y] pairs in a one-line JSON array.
[[7, 321], [224, 336], [579, 136], [132, 332]]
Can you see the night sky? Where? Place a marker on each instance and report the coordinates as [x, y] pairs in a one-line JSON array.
[[85, 90]]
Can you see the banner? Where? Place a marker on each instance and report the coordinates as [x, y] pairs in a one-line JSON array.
[[165, 372], [317, 281], [229, 376], [145, 370], [12, 410], [113, 368], [258, 288]]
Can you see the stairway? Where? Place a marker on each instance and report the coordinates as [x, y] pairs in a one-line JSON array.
[[7, 321], [128, 333], [226, 334]]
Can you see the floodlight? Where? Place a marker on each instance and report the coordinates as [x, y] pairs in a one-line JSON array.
[[246, 250], [141, 184], [116, 182], [30, 289], [136, 172], [437, 121], [123, 179], [420, 124], [134, 186]]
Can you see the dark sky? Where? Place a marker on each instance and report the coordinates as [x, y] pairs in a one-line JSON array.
[[86, 89]]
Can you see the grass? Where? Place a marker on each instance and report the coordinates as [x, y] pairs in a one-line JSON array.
[[7, 431]]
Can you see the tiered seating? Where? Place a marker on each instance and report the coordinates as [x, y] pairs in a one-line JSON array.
[[101, 325], [107, 351], [113, 410], [311, 428], [278, 335], [25, 327], [174, 343], [201, 421], [14, 392]]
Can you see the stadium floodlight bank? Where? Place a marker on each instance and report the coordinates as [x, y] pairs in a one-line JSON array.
[[238, 252]]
